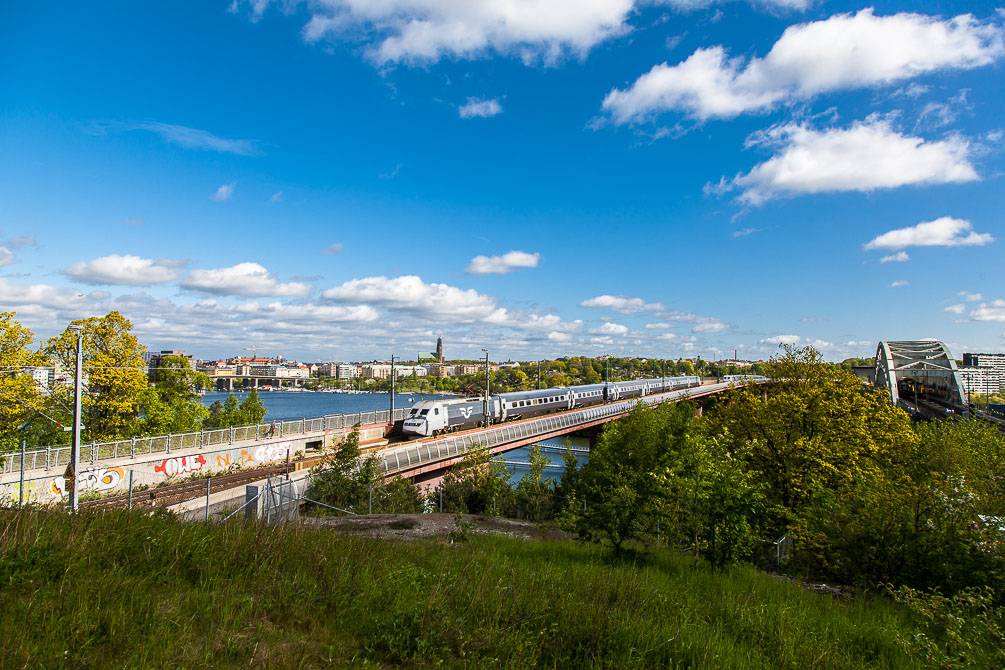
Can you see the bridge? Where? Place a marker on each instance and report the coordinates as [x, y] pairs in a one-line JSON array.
[[921, 376], [108, 467]]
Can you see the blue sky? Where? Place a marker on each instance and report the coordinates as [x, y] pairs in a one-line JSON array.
[[347, 179]]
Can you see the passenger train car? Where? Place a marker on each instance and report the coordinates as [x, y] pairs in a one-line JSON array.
[[434, 417]]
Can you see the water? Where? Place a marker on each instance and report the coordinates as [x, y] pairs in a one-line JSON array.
[[552, 448], [286, 405]]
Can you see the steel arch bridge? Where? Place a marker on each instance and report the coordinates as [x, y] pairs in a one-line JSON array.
[[926, 364]]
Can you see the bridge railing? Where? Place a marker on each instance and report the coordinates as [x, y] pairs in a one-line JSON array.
[[431, 451], [96, 452]]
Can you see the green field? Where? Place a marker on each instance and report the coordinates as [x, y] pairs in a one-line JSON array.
[[127, 590]]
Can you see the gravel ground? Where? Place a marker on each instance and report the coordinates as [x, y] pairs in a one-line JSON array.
[[413, 526]]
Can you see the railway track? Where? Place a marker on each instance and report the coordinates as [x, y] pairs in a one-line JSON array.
[[164, 496]]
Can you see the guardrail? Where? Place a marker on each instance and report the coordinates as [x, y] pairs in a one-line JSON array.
[[95, 452], [431, 451]]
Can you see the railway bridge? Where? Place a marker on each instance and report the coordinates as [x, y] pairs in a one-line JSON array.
[[921, 376]]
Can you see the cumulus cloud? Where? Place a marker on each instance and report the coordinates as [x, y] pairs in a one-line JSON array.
[[127, 270], [845, 51], [332, 249], [623, 304], [798, 341], [610, 328], [659, 326], [424, 31], [532, 322], [248, 279], [970, 297], [691, 5], [6, 256], [867, 156], [995, 311], [479, 108], [193, 138], [710, 327], [900, 282], [956, 309], [511, 260], [409, 293], [942, 232], [223, 193], [899, 257]]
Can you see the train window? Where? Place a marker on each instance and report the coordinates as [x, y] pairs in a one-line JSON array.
[[436, 410], [424, 412]]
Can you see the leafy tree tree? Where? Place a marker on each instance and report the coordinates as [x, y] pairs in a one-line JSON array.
[[113, 368], [21, 399], [475, 484], [817, 428], [623, 482], [172, 405], [253, 410], [534, 495]]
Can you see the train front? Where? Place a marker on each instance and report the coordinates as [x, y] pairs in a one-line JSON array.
[[419, 422]]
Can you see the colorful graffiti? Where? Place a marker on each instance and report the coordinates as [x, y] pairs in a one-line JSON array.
[[180, 465], [99, 479], [226, 460], [9, 493]]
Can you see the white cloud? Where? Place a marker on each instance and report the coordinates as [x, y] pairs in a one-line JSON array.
[[744, 232], [899, 257], [659, 326], [796, 340], [993, 312], [538, 322], [956, 309], [867, 156], [710, 327], [479, 108], [942, 232], [970, 297], [276, 197], [691, 5], [223, 193], [127, 270], [845, 51], [623, 304], [511, 260], [193, 138], [424, 31], [249, 279], [559, 337], [333, 249], [6, 256], [409, 293], [610, 328], [900, 282]]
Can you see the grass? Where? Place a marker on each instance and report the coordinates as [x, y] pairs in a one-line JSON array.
[[118, 589]]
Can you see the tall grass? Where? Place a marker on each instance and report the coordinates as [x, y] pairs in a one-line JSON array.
[[116, 589]]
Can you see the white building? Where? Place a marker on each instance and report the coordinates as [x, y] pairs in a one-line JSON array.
[[991, 376]]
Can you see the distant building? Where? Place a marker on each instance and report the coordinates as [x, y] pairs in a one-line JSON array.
[[439, 349], [153, 358], [440, 371], [991, 378]]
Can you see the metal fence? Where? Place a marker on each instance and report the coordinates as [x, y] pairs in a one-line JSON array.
[[52, 457]]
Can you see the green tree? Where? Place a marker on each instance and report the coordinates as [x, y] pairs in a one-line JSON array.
[[253, 410], [343, 477], [475, 485], [624, 482], [171, 404], [113, 370], [21, 398], [817, 428], [534, 494]]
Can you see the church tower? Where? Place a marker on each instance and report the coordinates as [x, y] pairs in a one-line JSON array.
[[439, 349]]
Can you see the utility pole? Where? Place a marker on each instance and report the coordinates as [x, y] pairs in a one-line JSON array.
[[390, 419], [539, 375], [75, 443], [488, 419]]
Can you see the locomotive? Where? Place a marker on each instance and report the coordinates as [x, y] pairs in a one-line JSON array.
[[435, 417]]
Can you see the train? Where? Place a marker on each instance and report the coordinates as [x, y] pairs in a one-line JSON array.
[[435, 417]]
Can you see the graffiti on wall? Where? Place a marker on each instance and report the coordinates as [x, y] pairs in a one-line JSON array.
[[10, 493], [228, 459], [272, 452], [180, 465], [98, 479]]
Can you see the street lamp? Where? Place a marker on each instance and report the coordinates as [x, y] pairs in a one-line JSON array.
[[488, 419], [74, 501], [390, 419]]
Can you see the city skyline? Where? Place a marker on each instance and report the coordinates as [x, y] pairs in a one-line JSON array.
[[329, 179]]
